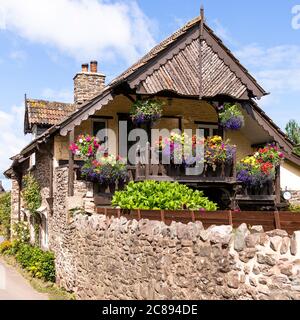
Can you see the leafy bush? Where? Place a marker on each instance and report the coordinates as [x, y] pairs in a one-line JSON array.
[[21, 232], [294, 208], [152, 195], [31, 193], [38, 262], [5, 246], [5, 209]]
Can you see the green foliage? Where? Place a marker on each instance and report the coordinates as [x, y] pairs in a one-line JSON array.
[[231, 117], [21, 232], [39, 263], [294, 208], [31, 193], [293, 132], [5, 247], [152, 195], [5, 209], [143, 111]]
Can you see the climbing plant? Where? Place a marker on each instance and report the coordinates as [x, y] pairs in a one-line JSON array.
[[5, 208], [32, 198], [31, 193]]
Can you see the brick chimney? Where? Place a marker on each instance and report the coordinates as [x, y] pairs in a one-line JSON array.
[[88, 84]]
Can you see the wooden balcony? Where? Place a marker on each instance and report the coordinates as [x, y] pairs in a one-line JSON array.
[[149, 166]]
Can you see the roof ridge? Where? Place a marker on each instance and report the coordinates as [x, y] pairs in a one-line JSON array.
[[48, 101], [157, 49]]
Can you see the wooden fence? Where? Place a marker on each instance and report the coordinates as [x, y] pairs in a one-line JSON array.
[[270, 220]]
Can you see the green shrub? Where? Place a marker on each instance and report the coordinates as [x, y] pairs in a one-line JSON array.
[[38, 262], [5, 247], [152, 195], [294, 208], [5, 209], [21, 232], [31, 193]]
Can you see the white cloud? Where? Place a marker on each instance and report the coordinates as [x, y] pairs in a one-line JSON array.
[[258, 56], [83, 29], [277, 68], [63, 95], [12, 138]]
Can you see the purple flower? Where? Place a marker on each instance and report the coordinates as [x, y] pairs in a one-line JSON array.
[[234, 123], [230, 153], [245, 177]]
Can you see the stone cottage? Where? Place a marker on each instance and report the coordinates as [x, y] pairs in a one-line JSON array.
[[192, 71]]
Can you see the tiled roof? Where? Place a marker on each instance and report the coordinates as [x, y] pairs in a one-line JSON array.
[[46, 113]]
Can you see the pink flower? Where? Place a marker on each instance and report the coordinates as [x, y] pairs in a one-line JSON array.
[[88, 139], [90, 152], [281, 155]]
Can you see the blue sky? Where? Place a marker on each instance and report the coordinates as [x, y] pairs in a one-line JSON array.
[[44, 42]]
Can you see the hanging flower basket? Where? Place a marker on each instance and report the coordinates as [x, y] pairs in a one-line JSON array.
[[257, 173], [146, 112], [231, 117]]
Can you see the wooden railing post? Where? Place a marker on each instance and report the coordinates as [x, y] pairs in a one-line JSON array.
[[277, 220], [234, 164], [147, 161], [138, 163], [277, 186], [71, 165], [230, 218], [162, 215]]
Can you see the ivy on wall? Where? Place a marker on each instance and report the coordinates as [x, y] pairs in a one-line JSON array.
[[5, 209], [31, 194]]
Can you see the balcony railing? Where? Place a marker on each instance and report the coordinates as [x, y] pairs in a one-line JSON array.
[[146, 169]]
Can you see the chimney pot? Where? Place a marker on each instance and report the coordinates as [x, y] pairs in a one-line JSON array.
[[94, 66], [85, 67]]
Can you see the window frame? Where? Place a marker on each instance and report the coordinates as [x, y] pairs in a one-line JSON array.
[[104, 120], [211, 126]]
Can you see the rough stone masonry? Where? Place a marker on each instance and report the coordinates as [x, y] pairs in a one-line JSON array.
[[102, 258], [109, 258]]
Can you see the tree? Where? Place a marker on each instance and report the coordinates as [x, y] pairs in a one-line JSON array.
[[5, 208], [293, 132]]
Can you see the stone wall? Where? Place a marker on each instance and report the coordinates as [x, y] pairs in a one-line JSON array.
[[42, 174], [102, 258]]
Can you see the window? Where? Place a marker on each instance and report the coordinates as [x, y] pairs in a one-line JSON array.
[[210, 130], [97, 125], [32, 160]]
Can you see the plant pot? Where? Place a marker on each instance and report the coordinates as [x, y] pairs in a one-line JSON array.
[[264, 191], [228, 169], [121, 184], [112, 187], [270, 187], [173, 170], [103, 187], [209, 172], [218, 171]]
